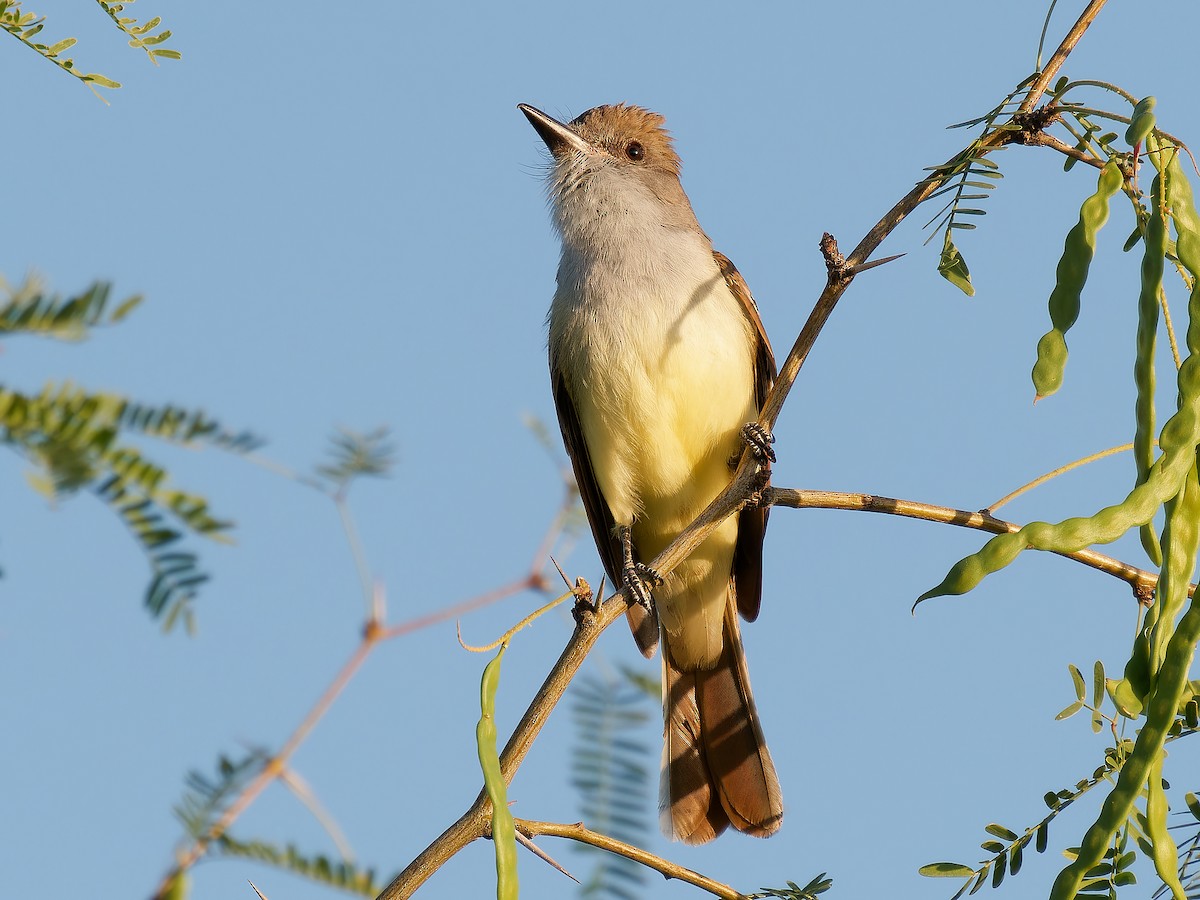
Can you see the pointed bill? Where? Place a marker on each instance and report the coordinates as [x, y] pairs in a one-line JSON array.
[[558, 137]]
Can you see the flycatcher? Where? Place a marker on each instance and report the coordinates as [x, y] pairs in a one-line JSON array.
[[658, 361]]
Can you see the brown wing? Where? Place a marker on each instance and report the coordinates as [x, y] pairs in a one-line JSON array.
[[641, 623], [752, 523]]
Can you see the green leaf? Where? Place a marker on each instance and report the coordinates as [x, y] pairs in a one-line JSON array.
[[1001, 832], [998, 870], [1014, 859], [992, 847], [125, 308], [100, 80], [1080, 684], [954, 269], [155, 39], [946, 870], [1193, 805], [1069, 711], [1098, 684], [142, 29]]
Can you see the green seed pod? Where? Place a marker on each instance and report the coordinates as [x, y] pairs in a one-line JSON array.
[[1141, 123], [1178, 443], [1166, 854], [1078, 249], [1147, 751], [1143, 366], [1181, 538], [504, 832], [1128, 702]]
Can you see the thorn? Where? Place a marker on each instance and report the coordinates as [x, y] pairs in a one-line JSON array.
[[561, 573], [854, 270], [541, 854]]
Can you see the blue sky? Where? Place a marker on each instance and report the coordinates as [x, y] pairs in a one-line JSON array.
[[337, 219]]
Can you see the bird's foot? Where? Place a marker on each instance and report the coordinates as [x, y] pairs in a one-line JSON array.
[[638, 579], [759, 440]]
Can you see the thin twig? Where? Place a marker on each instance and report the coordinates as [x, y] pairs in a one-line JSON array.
[[476, 821], [359, 554], [1060, 55], [274, 766], [303, 791], [1042, 139], [579, 832], [525, 582], [374, 633], [1061, 470], [1140, 580]]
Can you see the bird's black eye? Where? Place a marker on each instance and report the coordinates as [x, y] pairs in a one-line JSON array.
[[635, 151]]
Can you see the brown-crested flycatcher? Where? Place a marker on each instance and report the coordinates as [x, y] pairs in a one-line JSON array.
[[658, 360]]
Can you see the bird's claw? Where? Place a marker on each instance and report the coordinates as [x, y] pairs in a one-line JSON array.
[[640, 581], [759, 440]]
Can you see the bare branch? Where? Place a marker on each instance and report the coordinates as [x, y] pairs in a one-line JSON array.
[[578, 832], [1060, 55], [1141, 581]]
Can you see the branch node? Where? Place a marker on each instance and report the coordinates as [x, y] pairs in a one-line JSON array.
[[835, 263], [585, 601], [1034, 122]]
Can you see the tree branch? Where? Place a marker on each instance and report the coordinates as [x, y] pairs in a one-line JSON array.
[[669, 870], [476, 821], [1142, 582], [1060, 55]]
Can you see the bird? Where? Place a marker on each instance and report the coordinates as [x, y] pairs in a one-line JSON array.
[[659, 365]]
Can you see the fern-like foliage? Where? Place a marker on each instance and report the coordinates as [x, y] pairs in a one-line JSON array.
[[77, 440], [356, 454], [205, 800], [27, 26], [343, 874], [206, 797], [793, 891], [30, 310], [140, 35], [1005, 848], [967, 177], [611, 771]]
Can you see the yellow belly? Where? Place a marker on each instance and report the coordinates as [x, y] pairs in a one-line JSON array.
[[660, 428]]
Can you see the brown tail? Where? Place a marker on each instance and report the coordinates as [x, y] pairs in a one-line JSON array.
[[716, 767]]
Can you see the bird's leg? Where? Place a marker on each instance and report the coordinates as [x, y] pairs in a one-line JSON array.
[[638, 579], [759, 439]]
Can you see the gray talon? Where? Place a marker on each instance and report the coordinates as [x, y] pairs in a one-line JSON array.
[[759, 441], [637, 578]]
